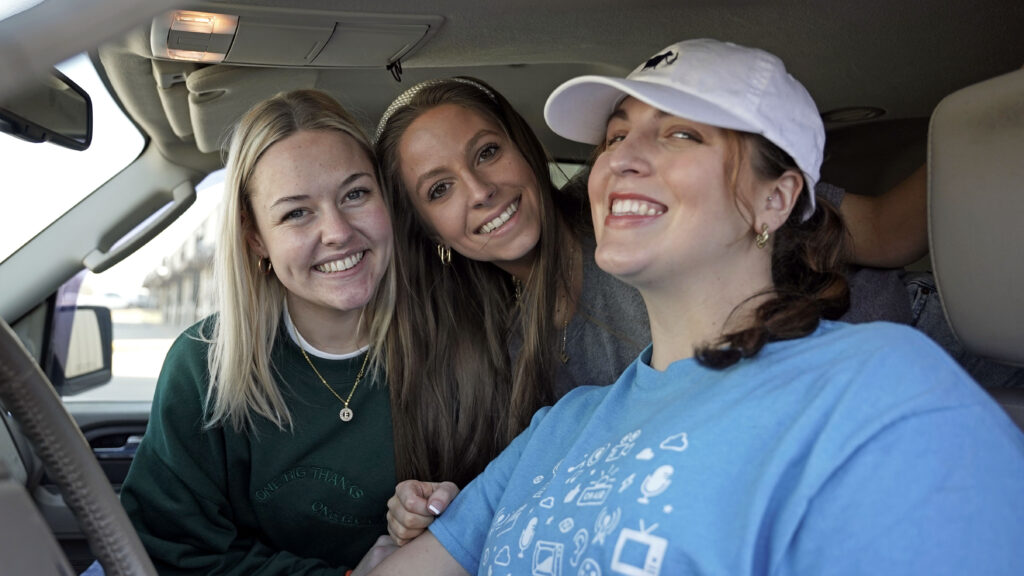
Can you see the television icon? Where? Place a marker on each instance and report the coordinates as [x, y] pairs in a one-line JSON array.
[[639, 553], [547, 559]]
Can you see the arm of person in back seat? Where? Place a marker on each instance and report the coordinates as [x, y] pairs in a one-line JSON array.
[[889, 230]]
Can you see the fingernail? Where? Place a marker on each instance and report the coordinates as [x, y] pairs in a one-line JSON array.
[[434, 509]]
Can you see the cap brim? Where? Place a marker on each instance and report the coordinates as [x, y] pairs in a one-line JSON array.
[[579, 109]]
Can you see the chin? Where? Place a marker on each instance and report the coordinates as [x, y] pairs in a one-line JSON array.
[[623, 264]]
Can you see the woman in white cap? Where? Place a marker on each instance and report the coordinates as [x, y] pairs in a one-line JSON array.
[[504, 308], [754, 436]]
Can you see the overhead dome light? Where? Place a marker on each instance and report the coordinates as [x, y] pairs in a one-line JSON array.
[[193, 36], [852, 114]]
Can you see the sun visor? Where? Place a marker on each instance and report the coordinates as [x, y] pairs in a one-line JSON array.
[[246, 35]]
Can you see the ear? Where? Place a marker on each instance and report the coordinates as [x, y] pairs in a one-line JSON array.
[[775, 199], [253, 238]]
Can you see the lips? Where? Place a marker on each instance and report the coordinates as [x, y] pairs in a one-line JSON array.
[[341, 264], [500, 219]]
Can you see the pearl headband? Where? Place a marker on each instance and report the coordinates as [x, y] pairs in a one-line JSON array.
[[406, 97]]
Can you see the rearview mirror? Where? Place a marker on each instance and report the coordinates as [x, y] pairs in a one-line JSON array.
[[54, 109]]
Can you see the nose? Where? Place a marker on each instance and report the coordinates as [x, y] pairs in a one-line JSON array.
[[629, 156], [481, 190], [335, 229]]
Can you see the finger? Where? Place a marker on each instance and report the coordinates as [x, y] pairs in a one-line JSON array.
[[441, 497], [407, 518], [403, 531], [412, 495]]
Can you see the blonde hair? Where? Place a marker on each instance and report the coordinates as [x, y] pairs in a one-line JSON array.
[[250, 303]]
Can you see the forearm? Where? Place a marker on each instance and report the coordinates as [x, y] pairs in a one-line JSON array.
[[424, 555], [890, 230]]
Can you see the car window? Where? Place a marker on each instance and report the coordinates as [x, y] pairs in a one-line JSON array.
[[153, 295], [39, 183], [562, 172], [11, 7]]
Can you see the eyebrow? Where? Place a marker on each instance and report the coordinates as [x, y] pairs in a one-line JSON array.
[[300, 197], [470, 144], [620, 114], [430, 175]]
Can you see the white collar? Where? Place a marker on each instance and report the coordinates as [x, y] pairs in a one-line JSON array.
[[309, 348]]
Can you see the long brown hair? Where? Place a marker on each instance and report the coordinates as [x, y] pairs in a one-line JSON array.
[[458, 396], [808, 267]]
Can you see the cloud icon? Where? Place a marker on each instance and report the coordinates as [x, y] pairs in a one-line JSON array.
[[677, 443], [645, 454], [503, 557]]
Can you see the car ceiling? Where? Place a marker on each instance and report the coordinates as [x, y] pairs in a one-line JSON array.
[[899, 56]]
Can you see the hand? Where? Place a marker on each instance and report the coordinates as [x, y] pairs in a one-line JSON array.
[[414, 507], [381, 549]]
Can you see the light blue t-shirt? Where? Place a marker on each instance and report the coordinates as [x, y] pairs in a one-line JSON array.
[[861, 449]]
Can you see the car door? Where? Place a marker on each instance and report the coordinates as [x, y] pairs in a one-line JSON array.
[[86, 230]]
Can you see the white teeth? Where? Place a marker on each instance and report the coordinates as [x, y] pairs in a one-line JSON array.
[[343, 264], [627, 207], [500, 219]]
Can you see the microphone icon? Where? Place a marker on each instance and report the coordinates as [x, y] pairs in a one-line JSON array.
[[655, 483]]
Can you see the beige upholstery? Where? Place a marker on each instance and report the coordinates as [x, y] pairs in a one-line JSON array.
[[976, 214]]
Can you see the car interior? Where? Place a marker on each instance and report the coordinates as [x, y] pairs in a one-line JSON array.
[[899, 84]]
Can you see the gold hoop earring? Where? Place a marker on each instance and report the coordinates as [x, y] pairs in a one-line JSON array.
[[761, 240], [445, 254], [265, 266]]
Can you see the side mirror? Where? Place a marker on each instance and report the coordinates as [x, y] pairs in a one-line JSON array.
[[87, 361], [54, 109]]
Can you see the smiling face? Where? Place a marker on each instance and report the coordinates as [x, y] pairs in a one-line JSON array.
[[320, 218], [662, 201], [472, 186]]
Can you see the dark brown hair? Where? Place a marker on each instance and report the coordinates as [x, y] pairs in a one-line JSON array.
[[807, 265], [458, 396]]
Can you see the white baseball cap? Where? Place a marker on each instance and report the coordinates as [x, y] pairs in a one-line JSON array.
[[716, 83]]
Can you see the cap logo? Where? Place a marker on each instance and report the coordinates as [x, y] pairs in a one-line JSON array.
[[666, 58]]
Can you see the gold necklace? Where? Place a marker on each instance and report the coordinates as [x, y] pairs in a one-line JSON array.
[[346, 413]]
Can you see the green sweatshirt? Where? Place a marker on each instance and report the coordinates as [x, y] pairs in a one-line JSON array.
[[308, 501]]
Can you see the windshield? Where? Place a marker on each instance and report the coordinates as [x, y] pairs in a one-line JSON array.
[[40, 182]]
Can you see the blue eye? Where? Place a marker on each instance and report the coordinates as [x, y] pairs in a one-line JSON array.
[[612, 140], [297, 213]]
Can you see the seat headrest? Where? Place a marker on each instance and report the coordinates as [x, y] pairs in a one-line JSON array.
[[976, 214]]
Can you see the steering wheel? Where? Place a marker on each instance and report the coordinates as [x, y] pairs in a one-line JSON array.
[[27, 393]]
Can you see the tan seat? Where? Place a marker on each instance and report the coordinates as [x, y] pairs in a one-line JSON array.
[[976, 220]]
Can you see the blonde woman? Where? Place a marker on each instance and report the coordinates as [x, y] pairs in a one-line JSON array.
[[269, 449]]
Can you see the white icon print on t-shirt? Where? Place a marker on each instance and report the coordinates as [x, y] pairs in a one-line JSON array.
[[655, 483], [638, 552], [527, 536], [605, 524], [676, 442], [547, 558]]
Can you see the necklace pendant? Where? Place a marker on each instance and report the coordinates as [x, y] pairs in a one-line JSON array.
[[564, 357], [346, 414]]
